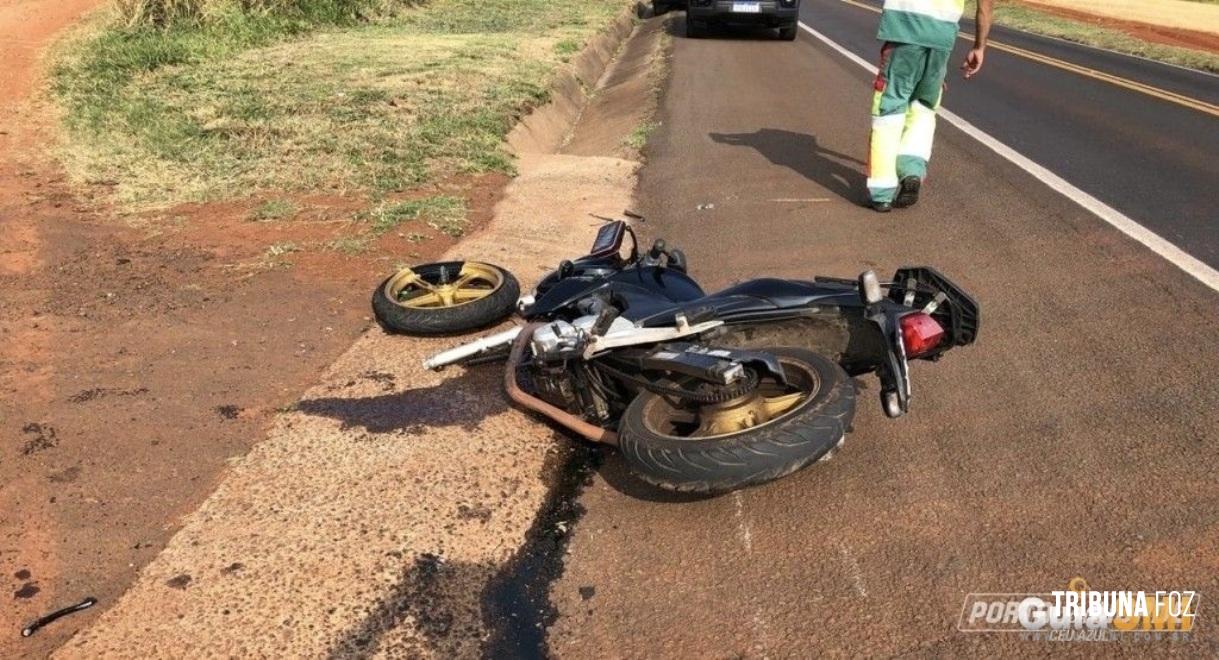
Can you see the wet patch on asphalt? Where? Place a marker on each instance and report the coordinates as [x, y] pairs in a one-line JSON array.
[[514, 607], [517, 610]]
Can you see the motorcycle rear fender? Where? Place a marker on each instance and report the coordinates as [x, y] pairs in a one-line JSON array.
[[960, 315]]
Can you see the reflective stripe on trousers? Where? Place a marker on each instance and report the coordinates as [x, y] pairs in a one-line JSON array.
[[908, 91]]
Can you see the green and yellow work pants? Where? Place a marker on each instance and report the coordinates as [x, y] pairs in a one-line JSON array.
[[909, 87]]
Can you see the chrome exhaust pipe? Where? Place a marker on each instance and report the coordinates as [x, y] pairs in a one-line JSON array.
[[465, 351]]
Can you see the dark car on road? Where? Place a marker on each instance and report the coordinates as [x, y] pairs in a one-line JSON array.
[[703, 15]]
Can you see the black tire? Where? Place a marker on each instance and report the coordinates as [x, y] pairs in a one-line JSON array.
[[788, 33], [660, 7], [794, 440], [695, 29], [395, 315]]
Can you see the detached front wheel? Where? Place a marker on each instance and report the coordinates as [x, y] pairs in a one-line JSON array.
[[757, 433], [445, 298]]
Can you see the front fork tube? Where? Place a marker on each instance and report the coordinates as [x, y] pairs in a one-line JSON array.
[[894, 370]]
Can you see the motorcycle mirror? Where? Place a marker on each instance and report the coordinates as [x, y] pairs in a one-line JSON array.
[[677, 260], [869, 288], [658, 248]]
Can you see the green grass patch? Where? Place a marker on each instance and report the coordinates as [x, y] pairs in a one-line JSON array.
[[273, 209], [165, 13], [567, 48], [350, 245], [441, 212], [1033, 20], [260, 101], [638, 138]]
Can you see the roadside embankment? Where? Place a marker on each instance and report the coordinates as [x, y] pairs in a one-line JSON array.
[[379, 512]]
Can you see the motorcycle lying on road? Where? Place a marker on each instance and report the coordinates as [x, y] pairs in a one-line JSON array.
[[701, 393]]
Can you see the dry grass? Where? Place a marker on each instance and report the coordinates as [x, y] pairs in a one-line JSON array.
[[1178, 14], [163, 13], [1027, 18], [183, 115]]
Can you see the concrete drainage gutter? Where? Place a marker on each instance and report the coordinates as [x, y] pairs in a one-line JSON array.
[[545, 129], [382, 514]]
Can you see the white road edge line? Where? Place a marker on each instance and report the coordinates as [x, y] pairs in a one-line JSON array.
[[1178, 257]]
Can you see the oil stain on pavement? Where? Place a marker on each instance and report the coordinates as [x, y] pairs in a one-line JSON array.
[[432, 595]]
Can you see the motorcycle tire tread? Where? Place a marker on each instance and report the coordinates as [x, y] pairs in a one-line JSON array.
[[398, 319], [750, 458]]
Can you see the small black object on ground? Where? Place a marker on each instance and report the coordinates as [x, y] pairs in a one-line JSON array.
[[71, 609]]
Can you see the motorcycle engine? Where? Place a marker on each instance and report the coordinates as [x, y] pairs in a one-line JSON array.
[[558, 371], [554, 386]]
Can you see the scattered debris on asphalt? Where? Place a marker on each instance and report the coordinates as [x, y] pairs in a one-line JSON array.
[[71, 609]]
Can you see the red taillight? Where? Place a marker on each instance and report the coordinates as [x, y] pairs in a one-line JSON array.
[[920, 334]]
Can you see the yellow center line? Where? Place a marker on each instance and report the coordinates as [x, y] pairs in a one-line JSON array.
[[1149, 90]]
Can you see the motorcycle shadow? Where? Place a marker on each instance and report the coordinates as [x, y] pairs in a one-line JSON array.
[[465, 401], [460, 401]]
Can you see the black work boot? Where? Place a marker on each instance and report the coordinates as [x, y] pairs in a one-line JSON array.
[[907, 196], [882, 207]]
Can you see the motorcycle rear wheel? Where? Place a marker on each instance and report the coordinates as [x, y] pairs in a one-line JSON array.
[[767, 434], [445, 298]]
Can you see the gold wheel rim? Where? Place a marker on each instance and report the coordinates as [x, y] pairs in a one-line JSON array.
[[769, 404], [411, 289]]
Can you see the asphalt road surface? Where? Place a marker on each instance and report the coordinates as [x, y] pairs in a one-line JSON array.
[[1077, 438], [1152, 159]]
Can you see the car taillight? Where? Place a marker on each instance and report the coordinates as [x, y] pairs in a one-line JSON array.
[[920, 334]]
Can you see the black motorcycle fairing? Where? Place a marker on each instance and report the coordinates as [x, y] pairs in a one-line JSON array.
[[637, 292], [762, 299], [652, 296]]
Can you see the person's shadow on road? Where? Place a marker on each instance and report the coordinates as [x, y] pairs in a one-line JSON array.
[[837, 172]]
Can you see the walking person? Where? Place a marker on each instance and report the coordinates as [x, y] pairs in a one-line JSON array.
[[918, 37]]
